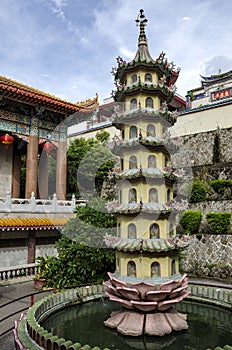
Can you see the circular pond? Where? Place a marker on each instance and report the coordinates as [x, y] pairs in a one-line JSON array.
[[208, 327]]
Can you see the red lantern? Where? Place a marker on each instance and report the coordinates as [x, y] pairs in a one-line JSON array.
[[6, 140], [47, 147]]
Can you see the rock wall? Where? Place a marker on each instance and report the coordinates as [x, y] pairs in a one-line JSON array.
[[206, 148], [208, 256]]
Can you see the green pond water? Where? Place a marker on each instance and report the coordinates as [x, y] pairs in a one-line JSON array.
[[208, 327]]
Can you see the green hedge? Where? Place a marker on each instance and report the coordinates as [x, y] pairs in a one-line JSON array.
[[219, 222], [221, 186], [199, 192], [191, 220]]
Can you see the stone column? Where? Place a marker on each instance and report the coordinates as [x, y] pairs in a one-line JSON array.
[[43, 176], [16, 175], [31, 247], [61, 170], [32, 159]]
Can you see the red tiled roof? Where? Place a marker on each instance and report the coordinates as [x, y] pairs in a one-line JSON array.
[[14, 90]]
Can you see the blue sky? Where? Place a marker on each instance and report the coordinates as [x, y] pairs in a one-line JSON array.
[[68, 47]]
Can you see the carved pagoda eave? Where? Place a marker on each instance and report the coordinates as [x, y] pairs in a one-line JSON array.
[[155, 66], [168, 180], [135, 208], [165, 149], [162, 91], [119, 122], [151, 245]]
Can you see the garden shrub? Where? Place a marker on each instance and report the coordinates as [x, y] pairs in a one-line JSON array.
[[219, 222], [199, 192], [190, 221], [82, 253], [222, 186]]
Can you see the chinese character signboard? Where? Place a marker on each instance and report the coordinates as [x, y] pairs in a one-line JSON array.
[[218, 95]]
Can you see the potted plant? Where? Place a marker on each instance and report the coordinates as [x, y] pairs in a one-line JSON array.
[[39, 280]]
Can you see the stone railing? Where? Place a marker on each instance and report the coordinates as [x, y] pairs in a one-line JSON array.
[[37, 335], [7, 273], [216, 295], [33, 205]]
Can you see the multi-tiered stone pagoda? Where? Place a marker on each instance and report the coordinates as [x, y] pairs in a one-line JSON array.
[[147, 281]]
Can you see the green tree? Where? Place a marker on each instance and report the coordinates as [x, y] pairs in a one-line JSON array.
[[89, 162], [82, 257]]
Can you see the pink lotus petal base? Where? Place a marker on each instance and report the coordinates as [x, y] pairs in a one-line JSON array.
[[155, 324]]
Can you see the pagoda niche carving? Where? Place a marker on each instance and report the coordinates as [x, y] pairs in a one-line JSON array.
[[147, 282]]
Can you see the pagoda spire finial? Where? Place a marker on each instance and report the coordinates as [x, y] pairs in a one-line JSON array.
[[141, 21]]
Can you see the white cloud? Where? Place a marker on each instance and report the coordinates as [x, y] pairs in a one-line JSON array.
[[76, 42], [127, 53], [216, 64]]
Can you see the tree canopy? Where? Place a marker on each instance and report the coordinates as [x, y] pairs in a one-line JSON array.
[[89, 162]]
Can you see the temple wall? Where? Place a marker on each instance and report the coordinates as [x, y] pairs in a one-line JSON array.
[[13, 256], [5, 169]]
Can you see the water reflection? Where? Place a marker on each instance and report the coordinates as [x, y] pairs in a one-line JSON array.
[[208, 327]]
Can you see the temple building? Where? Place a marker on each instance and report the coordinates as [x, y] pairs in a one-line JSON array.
[[209, 106], [32, 121]]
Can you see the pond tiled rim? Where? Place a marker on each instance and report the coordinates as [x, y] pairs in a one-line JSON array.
[[30, 335]]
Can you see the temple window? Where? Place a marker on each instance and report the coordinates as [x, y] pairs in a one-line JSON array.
[[122, 164], [132, 232], [151, 130], [132, 195], [154, 231], [120, 196], [133, 132], [149, 102], [131, 269], [134, 78], [153, 195], [168, 195], [173, 267], [133, 103], [123, 134], [166, 161], [119, 230], [133, 162], [152, 162], [148, 77], [171, 230], [155, 269]]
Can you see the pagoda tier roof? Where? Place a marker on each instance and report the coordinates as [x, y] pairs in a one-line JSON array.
[[13, 90], [161, 114], [115, 207], [157, 245], [145, 281], [164, 144], [217, 78], [16, 224], [159, 89], [157, 174]]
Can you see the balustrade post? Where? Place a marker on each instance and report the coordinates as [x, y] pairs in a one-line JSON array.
[[32, 201], [73, 203], [54, 202], [8, 201]]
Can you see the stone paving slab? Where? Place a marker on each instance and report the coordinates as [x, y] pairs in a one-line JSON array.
[[9, 291]]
